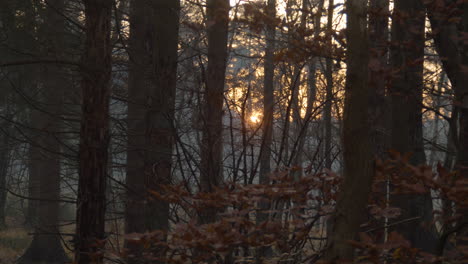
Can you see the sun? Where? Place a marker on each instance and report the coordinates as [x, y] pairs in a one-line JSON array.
[[255, 118]]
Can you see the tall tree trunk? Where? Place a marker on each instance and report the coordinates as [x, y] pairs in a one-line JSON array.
[[358, 169], [94, 133], [267, 124], [153, 55], [217, 12], [378, 70], [46, 245], [33, 174], [407, 54], [3, 188], [327, 111], [8, 24], [20, 40], [5, 151], [378, 101]]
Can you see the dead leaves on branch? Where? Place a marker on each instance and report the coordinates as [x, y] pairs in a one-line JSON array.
[[395, 250], [420, 179], [295, 208]]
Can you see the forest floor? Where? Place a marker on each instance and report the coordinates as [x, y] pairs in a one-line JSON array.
[[15, 239]]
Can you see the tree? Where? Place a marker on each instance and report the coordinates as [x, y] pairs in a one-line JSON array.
[[268, 107], [378, 39], [358, 169], [407, 56], [94, 133], [327, 111], [19, 40], [152, 86], [7, 21], [268, 96], [46, 244], [5, 152], [378, 104], [217, 18]]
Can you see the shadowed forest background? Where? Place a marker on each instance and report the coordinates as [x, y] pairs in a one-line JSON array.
[[217, 131]]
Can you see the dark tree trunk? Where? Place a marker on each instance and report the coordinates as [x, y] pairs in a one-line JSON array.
[[378, 101], [153, 56], [267, 124], [7, 20], [141, 25], [358, 169], [327, 110], [46, 245], [4, 165], [33, 175], [378, 71], [18, 42], [407, 55], [94, 133], [217, 12]]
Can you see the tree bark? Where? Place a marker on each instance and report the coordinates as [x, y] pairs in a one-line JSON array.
[[268, 97], [153, 55], [94, 133], [378, 101], [378, 72], [8, 24], [4, 164], [217, 12], [407, 55], [358, 169], [327, 110], [267, 124], [46, 245]]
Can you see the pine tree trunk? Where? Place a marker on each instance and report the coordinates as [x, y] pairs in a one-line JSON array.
[[151, 112], [46, 245], [94, 133]]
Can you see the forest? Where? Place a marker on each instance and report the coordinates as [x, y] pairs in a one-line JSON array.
[[233, 131]]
